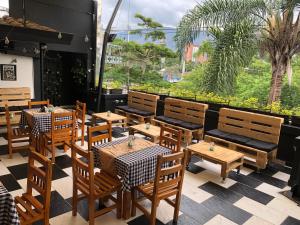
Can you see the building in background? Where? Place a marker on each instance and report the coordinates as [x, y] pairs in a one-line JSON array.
[[191, 56]]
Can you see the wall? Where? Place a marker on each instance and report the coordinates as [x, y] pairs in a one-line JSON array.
[[24, 72]]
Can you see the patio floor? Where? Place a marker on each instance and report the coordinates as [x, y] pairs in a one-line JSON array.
[[248, 198]]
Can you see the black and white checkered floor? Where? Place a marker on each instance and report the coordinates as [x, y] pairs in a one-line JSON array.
[[248, 198]]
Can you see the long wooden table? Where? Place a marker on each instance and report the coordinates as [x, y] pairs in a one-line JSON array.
[[228, 159]]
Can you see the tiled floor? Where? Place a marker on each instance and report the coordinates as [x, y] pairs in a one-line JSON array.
[[248, 198]]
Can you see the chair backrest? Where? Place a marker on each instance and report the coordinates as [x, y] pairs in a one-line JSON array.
[[63, 126], [188, 111], [170, 138], [80, 111], [16, 98], [83, 169], [258, 126], [32, 104], [8, 123], [99, 135], [170, 173], [143, 101], [39, 178]]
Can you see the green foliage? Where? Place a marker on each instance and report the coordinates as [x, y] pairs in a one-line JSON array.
[[151, 27], [206, 47]]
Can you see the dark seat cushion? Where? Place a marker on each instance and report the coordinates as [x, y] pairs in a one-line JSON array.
[[239, 139], [180, 123], [126, 108], [261, 145], [217, 133]]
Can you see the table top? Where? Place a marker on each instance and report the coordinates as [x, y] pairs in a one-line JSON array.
[[221, 154], [152, 131], [136, 166], [111, 117]]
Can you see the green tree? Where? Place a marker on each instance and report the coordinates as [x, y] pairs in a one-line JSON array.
[[239, 27], [206, 47], [151, 28]]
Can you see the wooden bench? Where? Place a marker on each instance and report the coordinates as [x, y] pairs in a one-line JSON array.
[[255, 135], [16, 98], [184, 115], [141, 107]]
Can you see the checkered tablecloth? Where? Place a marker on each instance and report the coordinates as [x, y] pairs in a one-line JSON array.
[[8, 211], [41, 123], [135, 168]]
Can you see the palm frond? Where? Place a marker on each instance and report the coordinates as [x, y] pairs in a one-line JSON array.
[[216, 13], [235, 47]]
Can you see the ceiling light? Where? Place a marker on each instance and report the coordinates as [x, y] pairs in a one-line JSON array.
[[6, 41], [86, 38], [59, 36]]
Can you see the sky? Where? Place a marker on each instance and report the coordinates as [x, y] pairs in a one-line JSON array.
[[166, 12], [4, 3]]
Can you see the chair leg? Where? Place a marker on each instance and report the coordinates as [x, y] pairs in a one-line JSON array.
[[46, 218], [82, 136], [119, 204], [53, 153], [10, 151], [176, 209], [74, 200], [133, 201], [153, 212], [91, 211]]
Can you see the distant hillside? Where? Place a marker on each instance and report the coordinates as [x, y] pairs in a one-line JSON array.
[[169, 40]]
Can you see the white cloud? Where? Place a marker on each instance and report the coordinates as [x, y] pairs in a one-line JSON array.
[[4, 3], [167, 12]]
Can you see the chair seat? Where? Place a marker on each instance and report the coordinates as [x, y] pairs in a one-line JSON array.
[[243, 140], [129, 109], [165, 192], [104, 185], [29, 209], [180, 123]]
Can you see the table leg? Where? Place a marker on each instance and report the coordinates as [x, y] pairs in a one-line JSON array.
[[224, 171], [126, 204]]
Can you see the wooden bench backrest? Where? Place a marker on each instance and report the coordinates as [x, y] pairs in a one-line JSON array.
[[143, 101], [257, 126], [13, 96], [188, 111]]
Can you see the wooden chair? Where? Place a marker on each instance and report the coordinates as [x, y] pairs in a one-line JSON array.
[[170, 138], [168, 182], [93, 186], [62, 132], [80, 114], [29, 208], [38, 103], [99, 135], [15, 135]]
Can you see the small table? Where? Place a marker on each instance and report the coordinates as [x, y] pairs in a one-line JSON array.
[[228, 159], [113, 118], [153, 132], [136, 167]]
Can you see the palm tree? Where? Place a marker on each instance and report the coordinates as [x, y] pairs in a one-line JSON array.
[[239, 28]]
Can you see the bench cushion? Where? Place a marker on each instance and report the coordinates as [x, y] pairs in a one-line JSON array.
[[217, 133], [261, 145], [179, 123], [239, 139], [126, 108]]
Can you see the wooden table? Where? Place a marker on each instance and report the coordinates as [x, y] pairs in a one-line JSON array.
[[113, 118], [153, 132], [228, 159], [136, 167]]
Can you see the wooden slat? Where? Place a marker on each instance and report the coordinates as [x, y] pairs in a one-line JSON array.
[[253, 125], [143, 101]]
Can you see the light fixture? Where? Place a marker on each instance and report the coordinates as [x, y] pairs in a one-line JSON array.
[[13, 61], [86, 38], [24, 50], [36, 51], [59, 36], [6, 41]]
